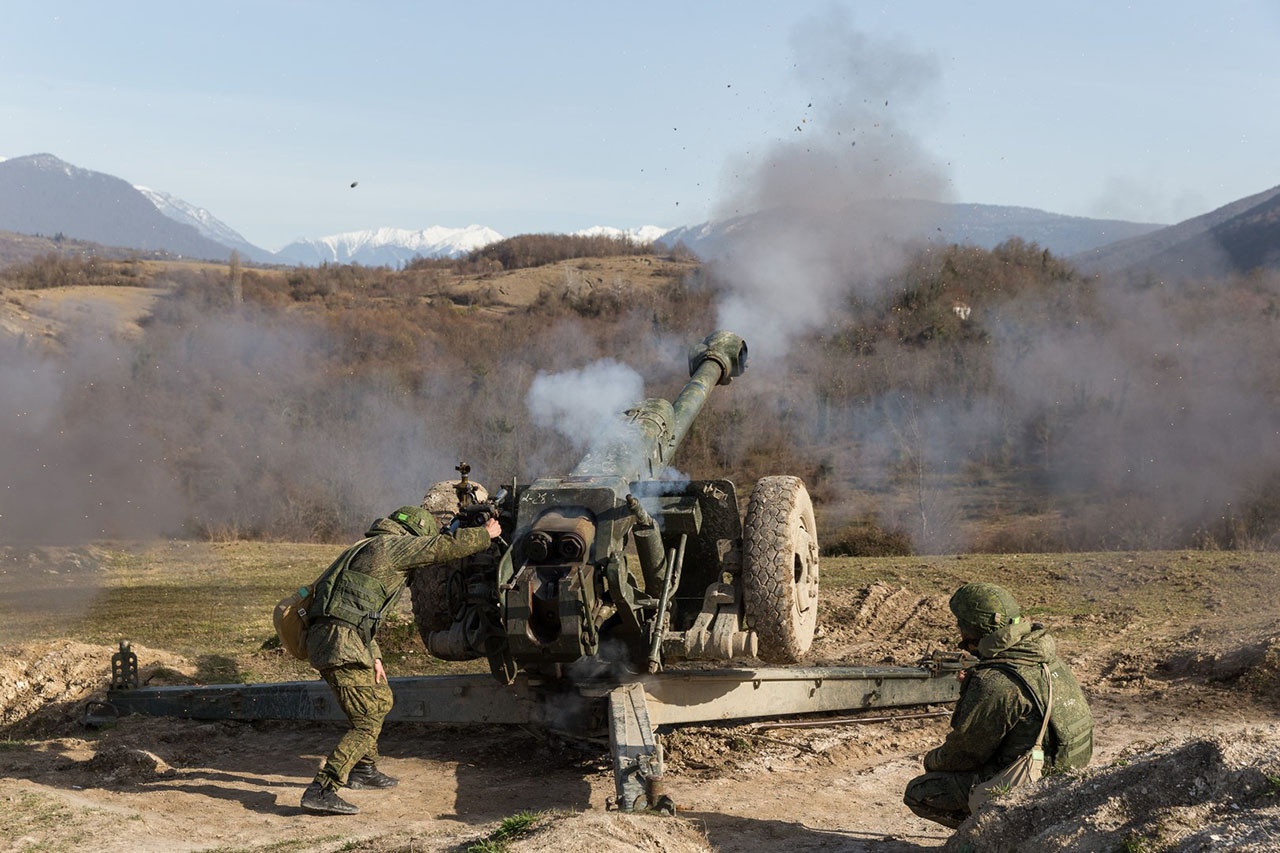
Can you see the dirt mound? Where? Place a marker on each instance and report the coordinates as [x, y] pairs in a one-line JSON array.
[[1213, 793], [1249, 663], [612, 832], [751, 749], [1254, 665], [44, 688], [117, 765]]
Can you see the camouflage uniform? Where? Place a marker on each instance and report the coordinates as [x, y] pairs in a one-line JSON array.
[[344, 653], [994, 720]]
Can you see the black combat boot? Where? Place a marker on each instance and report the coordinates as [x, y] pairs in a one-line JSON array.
[[323, 799], [366, 775]]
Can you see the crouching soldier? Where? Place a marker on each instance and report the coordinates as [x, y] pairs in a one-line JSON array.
[[999, 714], [351, 598]]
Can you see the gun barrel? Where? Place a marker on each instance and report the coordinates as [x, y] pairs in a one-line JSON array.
[[721, 357]]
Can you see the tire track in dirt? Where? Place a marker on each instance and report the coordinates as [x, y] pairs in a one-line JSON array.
[[882, 623]]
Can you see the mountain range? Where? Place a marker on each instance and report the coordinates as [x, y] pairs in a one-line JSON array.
[[1236, 238], [985, 225], [41, 194]]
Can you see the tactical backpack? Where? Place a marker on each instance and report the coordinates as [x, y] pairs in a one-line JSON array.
[[292, 614], [290, 618]]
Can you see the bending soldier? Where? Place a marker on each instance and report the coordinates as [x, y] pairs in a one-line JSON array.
[[342, 644], [995, 721]]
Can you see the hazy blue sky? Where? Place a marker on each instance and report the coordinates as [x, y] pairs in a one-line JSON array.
[[555, 116]]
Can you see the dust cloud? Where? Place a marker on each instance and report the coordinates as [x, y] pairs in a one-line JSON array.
[[1162, 408], [76, 465], [1150, 408], [1149, 416], [224, 429], [812, 222]]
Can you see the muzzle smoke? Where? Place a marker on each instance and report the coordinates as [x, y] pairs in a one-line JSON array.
[[576, 403]]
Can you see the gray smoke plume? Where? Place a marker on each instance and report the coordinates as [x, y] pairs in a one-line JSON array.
[[76, 464], [577, 403], [1150, 415], [1163, 410], [225, 428], [815, 212]]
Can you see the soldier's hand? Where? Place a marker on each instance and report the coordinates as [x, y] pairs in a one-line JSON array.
[[379, 674], [493, 527]]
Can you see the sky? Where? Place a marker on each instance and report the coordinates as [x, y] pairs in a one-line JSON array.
[[558, 116]]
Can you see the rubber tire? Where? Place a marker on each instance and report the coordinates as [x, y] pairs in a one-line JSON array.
[[429, 592], [780, 568]]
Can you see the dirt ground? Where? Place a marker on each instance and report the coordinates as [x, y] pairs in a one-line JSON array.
[[1187, 741], [40, 317]]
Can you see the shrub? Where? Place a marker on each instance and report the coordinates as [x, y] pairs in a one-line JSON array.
[[867, 539], [536, 250], [55, 270]]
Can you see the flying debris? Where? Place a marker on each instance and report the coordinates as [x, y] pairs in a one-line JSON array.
[[353, 184]]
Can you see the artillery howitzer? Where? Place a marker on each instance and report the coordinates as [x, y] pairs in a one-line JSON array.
[[618, 564], [610, 573]]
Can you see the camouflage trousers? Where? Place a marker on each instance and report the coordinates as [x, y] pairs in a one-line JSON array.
[[366, 705], [941, 797]]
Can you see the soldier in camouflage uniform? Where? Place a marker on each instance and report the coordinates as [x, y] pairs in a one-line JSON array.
[[342, 644], [995, 721]]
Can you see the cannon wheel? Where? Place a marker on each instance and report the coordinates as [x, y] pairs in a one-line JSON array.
[[780, 568], [429, 592]]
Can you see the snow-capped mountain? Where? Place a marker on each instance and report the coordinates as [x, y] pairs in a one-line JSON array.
[[41, 194], [204, 222], [643, 234], [388, 246]]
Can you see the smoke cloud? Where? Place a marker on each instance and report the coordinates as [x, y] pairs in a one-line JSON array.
[[232, 427], [76, 464], [577, 403], [1165, 412], [1147, 416], [1152, 409], [818, 219]]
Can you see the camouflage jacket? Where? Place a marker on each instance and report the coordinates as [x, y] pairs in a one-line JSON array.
[[389, 559], [995, 721]]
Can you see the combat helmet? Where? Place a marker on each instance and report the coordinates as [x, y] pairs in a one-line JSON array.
[[441, 500], [983, 608]]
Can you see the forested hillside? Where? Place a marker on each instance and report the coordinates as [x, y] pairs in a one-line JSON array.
[[973, 400]]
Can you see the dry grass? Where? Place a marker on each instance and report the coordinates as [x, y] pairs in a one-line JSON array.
[[212, 601]]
